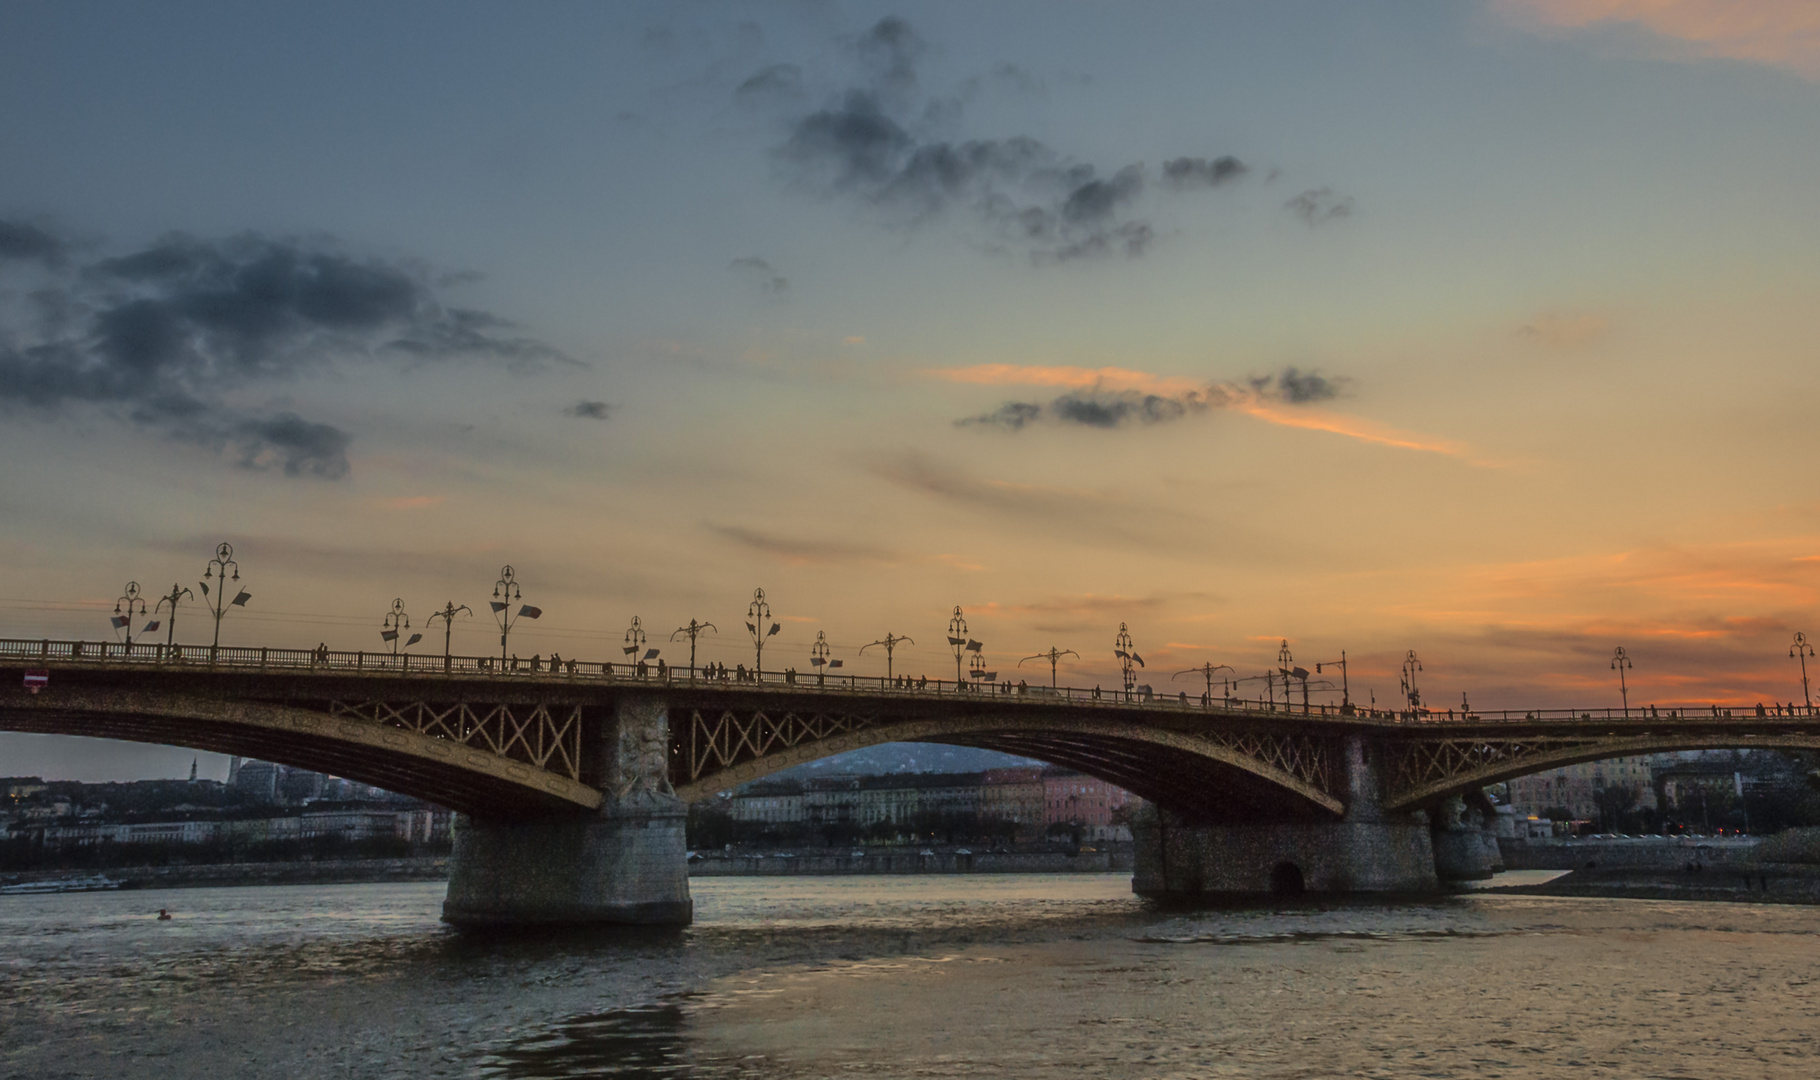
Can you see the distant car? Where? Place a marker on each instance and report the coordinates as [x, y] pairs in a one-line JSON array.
[[859, 853], [962, 851], [925, 851], [1091, 849]]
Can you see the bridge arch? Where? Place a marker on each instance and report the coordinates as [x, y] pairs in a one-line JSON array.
[[358, 747], [1208, 775], [1493, 762]]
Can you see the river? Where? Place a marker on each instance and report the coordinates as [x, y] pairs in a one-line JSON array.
[[936, 976]]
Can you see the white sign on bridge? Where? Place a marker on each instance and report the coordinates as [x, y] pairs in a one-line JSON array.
[[37, 680]]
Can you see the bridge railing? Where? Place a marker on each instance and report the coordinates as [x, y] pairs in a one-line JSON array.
[[554, 668]]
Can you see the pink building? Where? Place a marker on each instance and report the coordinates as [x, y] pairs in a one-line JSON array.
[[1076, 799]]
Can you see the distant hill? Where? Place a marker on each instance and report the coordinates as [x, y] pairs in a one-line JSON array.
[[889, 758]]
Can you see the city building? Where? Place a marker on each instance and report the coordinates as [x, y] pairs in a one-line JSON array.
[[1588, 790]]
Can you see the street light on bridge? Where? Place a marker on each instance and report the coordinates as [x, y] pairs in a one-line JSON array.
[[818, 657], [1803, 650], [1345, 686], [505, 593], [133, 606], [1411, 665], [758, 613], [693, 631], [635, 643], [1121, 648], [979, 672], [890, 642], [957, 637], [394, 623], [176, 595], [217, 571], [1620, 663], [1053, 656], [447, 615], [1206, 671]]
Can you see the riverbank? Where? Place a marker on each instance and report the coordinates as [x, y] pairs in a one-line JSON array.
[[1766, 883], [436, 868], [926, 861]]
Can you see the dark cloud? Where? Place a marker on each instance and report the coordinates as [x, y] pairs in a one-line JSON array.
[[1299, 388], [1187, 172], [1318, 205], [779, 82], [590, 410], [159, 335], [762, 274], [874, 146], [22, 241], [1098, 407], [1012, 416], [298, 446]]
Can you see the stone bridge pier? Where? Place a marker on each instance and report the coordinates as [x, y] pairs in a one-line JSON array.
[[1366, 850], [625, 863]]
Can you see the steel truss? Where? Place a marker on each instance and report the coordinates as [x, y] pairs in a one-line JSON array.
[[532, 734]]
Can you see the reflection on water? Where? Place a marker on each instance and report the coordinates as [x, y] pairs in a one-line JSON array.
[[1019, 975]]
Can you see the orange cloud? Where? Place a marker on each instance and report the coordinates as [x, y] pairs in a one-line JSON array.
[[1202, 394], [1778, 33], [1563, 331], [410, 502], [1073, 378]]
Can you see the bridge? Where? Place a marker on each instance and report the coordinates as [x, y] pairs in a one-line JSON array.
[[571, 778]]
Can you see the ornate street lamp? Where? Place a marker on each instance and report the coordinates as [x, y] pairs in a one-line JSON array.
[[1206, 671], [758, 614], [1411, 665], [447, 615], [217, 571], [957, 637], [978, 670], [1053, 656], [635, 646], [123, 617], [693, 631], [177, 594], [1620, 663], [505, 594], [818, 657], [1803, 650], [394, 623], [1122, 649], [890, 642]]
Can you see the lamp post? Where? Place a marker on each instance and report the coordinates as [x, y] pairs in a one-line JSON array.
[[1053, 656], [635, 645], [394, 623], [1620, 663], [447, 615], [957, 637], [890, 642], [1345, 687], [1121, 648], [1206, 671], [217, 571], [177, 594], [693, 631], [758, 613], [505, 593], [818, 657], [1803, 650], [133, 605], [979, 672], [1411, 665]]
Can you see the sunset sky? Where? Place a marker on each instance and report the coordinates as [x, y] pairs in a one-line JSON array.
[[1483, 328]]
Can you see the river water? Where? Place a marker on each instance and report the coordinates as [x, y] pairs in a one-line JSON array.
[[937, 976]]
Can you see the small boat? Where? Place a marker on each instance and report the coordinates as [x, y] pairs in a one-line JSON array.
[[93, 883]]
